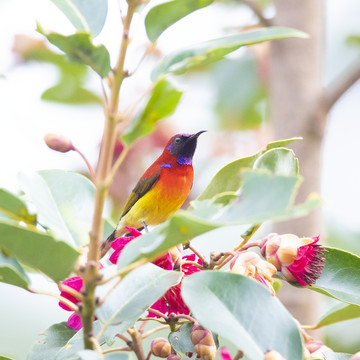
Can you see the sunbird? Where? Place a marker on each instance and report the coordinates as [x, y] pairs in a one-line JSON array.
[[161, 190]]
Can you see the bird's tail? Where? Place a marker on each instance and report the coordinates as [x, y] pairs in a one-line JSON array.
[[106, 244]]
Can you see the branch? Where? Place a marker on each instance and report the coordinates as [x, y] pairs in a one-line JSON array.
[[341, 85], [65, 301], [251, 4]]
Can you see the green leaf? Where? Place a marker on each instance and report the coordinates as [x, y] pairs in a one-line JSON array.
[[181, 61], [339, 312], [239, 107], [68, 92], [69, 88], [51, 341], [88, 355], [64, 202], [89, 15], [259, 321], [278, 161], [162, 103], [340, 277], [74, 345], [229, 178], [15, 208], [40, 251], [265, 197], [331, 355], [12, 273], [160, 17], [5, 358], [181, 341], [79, 48], [135, 293]]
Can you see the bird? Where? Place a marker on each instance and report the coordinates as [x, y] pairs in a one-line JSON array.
[[161, 190]]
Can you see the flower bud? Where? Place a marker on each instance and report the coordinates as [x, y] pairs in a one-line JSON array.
[[203, 342], [58, 143], [160, 347], [273, 355], [173, 357], [176, 255], [355, 356], [313, 345], [251, 265], [300, 260]]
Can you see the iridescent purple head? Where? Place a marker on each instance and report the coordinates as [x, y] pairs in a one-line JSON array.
[[183, 146]]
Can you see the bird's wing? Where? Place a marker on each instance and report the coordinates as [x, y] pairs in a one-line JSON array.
[[141, 188]]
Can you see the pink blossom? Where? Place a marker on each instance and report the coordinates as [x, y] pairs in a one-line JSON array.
[[300, 260], [119, 243]]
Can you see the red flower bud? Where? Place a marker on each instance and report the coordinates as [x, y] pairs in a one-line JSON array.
[[203, 342], [273, 355], [300, 260], [160, 347], [58, 143]]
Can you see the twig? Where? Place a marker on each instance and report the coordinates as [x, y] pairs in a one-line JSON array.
[[193, 263], [91, 273], [201, 257], [148, 355], [71, 291], [136, 345], [126, 348], [65, 301], [238, 355], [341, 85], [153, 319], [158, 313], [258, 12], [90, 168], [123, 338], [123, 271], [154, 330]]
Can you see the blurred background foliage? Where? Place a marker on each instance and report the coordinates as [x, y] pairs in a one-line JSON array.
[[229, 98]]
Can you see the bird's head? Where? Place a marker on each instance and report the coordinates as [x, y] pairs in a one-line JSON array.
[[183, 147]]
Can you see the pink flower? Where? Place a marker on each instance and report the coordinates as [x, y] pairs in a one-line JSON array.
[[119, 243], [300, 260], [225, 354], [75, 283], [172, 301]]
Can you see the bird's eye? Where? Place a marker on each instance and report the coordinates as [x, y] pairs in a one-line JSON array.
[[177, 140]]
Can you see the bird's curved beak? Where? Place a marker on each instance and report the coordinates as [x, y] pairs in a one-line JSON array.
[[195, 136]]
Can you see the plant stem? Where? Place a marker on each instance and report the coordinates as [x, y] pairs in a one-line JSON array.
[[65, 301], [71, 291], [116, 349], [91, 274], [136, 345], [90, 168], [201, 257], [154, 330]]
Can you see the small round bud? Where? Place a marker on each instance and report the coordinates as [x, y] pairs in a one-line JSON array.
[[58, 142], [203, 342], [273, 355], [356, 356], [160, 347]]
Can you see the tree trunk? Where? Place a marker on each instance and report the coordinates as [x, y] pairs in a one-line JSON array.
[[296, 110]]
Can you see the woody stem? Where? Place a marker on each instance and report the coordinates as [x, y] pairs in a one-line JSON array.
[[91, 273]]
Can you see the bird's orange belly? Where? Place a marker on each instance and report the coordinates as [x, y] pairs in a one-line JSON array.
[[160, 202]]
